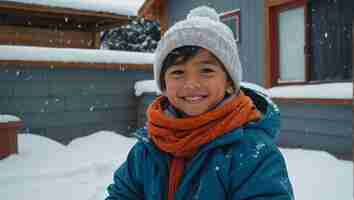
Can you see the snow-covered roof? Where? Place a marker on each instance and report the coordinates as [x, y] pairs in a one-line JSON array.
[[149, 86], [9, 118], [145, 86], [120, 7], [27, 53], [318, 91]]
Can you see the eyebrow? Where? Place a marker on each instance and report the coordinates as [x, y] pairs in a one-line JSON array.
[[210, 60]]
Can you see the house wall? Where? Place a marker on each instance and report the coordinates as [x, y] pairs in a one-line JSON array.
[[63, 104], [310, 126]]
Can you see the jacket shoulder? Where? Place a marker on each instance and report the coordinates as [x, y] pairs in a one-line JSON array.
[[258, 163]]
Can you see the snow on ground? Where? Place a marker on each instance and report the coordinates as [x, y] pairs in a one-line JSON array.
[[28, 53], [45, 169], [129, 8], [319, 175]]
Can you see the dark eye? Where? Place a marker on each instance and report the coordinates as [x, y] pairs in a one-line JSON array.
[[177, 72], [207, 70]]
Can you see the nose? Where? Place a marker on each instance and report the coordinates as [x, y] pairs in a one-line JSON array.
[[192, 81]]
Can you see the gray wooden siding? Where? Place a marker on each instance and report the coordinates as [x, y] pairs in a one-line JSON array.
[[312, 126], [63, 104], [251, 45]]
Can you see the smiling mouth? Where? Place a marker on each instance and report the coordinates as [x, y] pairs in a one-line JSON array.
[[194, 99]]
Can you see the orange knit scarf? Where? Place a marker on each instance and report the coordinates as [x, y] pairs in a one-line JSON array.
[[182, 137]]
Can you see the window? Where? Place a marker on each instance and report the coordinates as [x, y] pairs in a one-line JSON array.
[[291, 41], [308, 41], [331, 40], [232, 20]]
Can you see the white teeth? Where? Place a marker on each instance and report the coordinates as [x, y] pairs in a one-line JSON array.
[[193, 98]]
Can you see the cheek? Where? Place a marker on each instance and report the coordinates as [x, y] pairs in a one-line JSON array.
[[171, 88], [219, 88]]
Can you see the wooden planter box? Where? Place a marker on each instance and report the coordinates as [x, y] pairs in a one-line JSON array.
[[8, 138]]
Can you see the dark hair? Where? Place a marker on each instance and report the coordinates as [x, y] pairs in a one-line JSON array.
[[178, 56]]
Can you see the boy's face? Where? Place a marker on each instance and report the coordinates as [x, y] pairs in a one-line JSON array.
[[196, 86]]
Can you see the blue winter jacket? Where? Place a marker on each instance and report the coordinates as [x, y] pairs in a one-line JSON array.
[[244, 164]]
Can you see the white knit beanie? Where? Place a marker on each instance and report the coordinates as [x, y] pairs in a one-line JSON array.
[[202, 28]]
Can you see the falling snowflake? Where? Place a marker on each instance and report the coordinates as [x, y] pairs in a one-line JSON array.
[[260, 146]]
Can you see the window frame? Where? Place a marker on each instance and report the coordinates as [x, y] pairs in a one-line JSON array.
[[273, 56], [237, 14]]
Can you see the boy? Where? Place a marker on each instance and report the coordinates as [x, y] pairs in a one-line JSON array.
[[206, 137]]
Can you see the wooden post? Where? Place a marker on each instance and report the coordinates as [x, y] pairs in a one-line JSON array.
[[8, 138]]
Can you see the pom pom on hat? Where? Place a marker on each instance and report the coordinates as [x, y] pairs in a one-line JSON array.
[[204, 11], [201, 28]]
